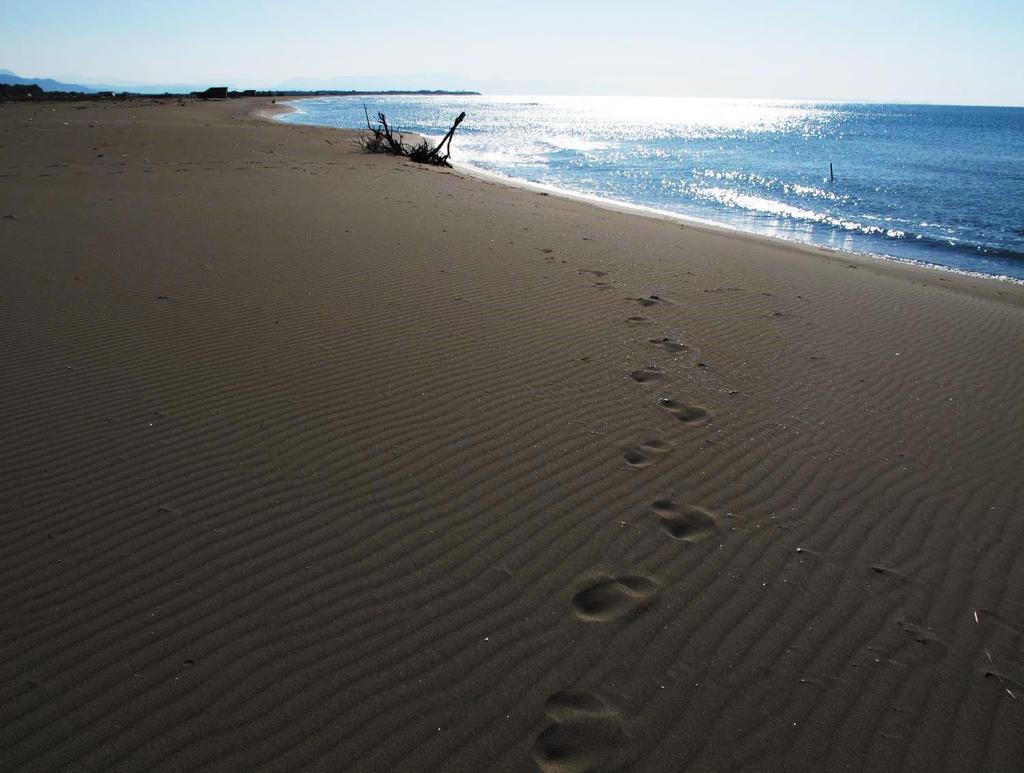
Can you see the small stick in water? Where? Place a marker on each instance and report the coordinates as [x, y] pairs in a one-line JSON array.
[[831, 177]]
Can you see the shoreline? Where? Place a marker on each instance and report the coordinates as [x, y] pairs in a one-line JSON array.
[[648, 211], [324, 459], [985, 283], [723, 228], [281, 106]]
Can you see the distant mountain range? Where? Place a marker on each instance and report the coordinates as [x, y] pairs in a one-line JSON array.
[[49, 84], [46, 84]]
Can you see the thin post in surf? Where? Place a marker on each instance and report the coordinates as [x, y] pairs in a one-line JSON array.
[[831, 177]]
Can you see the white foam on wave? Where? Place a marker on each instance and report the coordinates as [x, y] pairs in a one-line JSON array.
[[769, 183], [569, 142], [510, 152], [761, 205], [731, 198]]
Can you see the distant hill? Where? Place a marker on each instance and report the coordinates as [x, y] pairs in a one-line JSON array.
[[46, 84], [49, 84]]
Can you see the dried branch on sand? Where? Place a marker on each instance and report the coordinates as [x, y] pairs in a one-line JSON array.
[[382, 139]]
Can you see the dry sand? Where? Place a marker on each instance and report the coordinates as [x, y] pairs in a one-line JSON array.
[[316, 460]]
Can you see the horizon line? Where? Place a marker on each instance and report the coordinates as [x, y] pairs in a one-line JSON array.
[[476, 91]]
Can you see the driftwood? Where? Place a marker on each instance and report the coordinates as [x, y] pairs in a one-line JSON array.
[[383, 139]]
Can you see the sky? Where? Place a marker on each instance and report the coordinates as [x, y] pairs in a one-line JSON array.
[[942, 51]]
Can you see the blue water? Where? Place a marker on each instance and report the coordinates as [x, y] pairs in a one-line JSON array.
[[932, 184]]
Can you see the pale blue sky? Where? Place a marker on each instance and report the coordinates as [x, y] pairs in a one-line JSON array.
[[951, 51]]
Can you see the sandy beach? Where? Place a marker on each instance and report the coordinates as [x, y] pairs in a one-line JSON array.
[[315, 460]]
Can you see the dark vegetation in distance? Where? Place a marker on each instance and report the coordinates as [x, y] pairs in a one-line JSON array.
[[34, 93]]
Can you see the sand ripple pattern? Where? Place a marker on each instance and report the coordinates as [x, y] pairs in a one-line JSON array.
[[290, 482]]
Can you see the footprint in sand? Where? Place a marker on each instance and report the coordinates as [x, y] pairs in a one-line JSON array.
[[688, 414], [583, 732], [594, 272], [650, 300], [637, 320], [607, 599], [686, 523], [922, 635], [673, 347], [646, 454], [646, 375]]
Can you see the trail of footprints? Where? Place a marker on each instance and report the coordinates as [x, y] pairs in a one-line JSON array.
[[584, 731]]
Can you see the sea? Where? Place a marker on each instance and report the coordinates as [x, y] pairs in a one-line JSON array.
[[930, 184]]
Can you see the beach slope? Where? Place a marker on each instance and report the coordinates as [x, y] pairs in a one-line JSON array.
[[319, 460]]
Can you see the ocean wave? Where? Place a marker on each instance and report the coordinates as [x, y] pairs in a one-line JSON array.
[[770, 183], [515, 152], [499, 159], [566, 142], [732, 198], [772, 207]]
